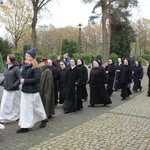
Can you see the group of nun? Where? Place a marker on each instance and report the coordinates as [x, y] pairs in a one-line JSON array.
[[31, 93]]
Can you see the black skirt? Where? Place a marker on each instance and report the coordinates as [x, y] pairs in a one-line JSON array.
[[99, 95]]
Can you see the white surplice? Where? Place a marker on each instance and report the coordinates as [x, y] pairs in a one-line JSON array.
[[31, 110], [10, 106]]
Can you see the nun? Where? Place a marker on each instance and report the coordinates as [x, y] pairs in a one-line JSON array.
[[98, 82]]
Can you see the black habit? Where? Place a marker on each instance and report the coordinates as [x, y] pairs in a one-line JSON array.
[[137, 77], [73, 94], [125, 80], [55, 73], [110, 76], [61, 84], [98, 92], [148, 74], [84, 72]]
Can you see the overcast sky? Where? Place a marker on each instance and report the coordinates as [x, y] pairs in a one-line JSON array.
[[72, 12]]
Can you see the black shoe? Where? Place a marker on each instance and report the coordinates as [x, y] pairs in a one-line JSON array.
[[50, 116], [135, 91], [85, 99], [56, 102], [66, 112], [105, 105], [43, 123], [123, 98], [140, 89], [22, 130], [92, 105]]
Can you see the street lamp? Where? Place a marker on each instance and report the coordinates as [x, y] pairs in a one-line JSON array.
[[79, 40]]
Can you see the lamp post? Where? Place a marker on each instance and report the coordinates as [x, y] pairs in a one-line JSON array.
[[79, 40]]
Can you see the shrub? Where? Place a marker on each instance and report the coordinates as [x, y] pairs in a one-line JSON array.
[[146, 56], [1, 64], [142, 60], [114, 57], [87, 57], [52, 56], [19, 56], [26, 47]]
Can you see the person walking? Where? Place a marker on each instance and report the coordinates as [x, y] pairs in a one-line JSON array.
[[125, 79], [110, 71], [2, 126], [10, 103], [148, 74], [84, 71], [56, 62], [47, 88], [137, 76], [97, 83], [117, 75], [55, 73], [31, 110], [62, 81], [73, 94]]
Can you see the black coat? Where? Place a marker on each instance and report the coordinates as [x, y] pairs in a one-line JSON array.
[[98, 77], [61, 84], [126, 75], [62, 78], [84, 72], [31, 79], [118, 70], [138, 73], [55, 73], [73, 78], [11, 78], [73, 81], [111, 72], [98, 92], [148, 71], [56, 63], [148, 74]]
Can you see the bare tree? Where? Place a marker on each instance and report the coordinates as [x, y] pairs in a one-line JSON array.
[[37, 6], [142, 28], [15, 22]]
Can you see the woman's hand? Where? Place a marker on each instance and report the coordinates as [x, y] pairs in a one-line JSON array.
[[22, 81]]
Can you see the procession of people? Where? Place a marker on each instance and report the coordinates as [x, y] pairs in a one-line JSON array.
[[32, 93]]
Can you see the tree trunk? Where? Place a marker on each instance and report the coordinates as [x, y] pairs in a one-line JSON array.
[[34, 22], [104, 32], [16, 44]]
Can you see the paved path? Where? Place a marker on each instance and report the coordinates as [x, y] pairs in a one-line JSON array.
[[124, 125]]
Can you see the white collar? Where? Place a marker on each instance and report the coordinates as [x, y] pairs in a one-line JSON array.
[[73, 67]]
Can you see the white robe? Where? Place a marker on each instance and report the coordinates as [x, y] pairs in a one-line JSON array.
[[2, 126], [10, 106], [31, 110]]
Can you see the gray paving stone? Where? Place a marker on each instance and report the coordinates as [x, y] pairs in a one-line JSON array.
[[125, 127]]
